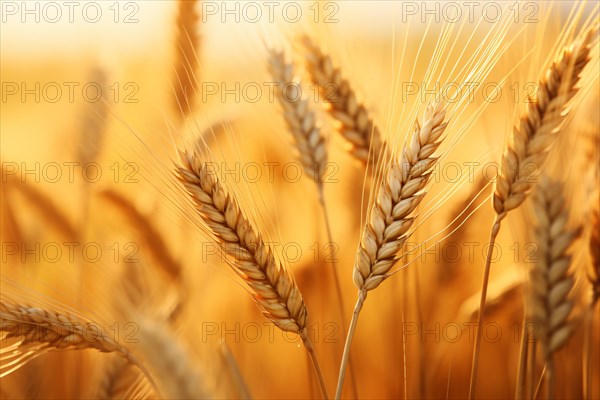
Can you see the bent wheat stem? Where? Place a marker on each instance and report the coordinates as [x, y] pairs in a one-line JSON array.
[[313, 357]]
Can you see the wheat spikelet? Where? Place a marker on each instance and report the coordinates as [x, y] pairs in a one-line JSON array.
[[400, 192], [550, 279], [186, 64], [539, 126], [357, 125], [275, 290], [299, 117], [45, 329]]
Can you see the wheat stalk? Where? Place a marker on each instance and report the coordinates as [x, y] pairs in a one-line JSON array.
[[274, 289], [357, 125], [528, 150], [392, 213], [550, 279], [186, 64], [312, 152]]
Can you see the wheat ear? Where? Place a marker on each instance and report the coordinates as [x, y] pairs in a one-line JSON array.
[[186, 64], [121, 381], [42, 330], [50, 212], [312, 152], [550, 279], [274, 288], [299, 117], [357, 125], [168, 360], [527, 151], [392, 213]]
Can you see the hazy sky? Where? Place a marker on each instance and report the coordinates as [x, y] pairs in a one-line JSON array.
[[49, 28]]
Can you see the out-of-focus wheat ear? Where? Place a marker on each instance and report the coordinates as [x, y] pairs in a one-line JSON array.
[[527, 151], [50, 213], [240, 387], [157, 248], [391, 213], [10, 228], [121, 381], [94, 122], [273, 287], [169, 363], [187, 42], [550, 279], [299, 117], [356, 123], [460, 219]]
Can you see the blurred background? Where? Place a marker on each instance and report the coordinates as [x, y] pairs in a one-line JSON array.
[[93, 218]]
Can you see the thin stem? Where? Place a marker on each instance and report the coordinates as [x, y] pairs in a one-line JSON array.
[[420, 349], [313, 356], [362, 295], [484, 286], [538, 388], [311, 378], [404, 312], [533, 363], [338, 286], [549, 379], [522, 369], [242, 389], [587, 349]]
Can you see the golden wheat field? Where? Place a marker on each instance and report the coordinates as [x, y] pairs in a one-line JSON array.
[[300, 199]]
